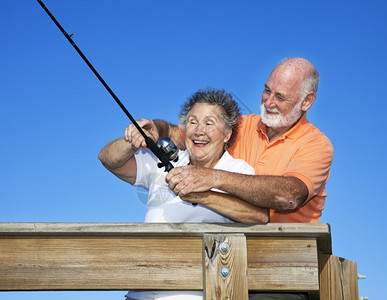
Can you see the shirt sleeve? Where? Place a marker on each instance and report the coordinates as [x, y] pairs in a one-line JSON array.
[[146, 165], [311, 164]]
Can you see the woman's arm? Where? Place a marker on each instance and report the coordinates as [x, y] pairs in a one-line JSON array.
[[230, 206], [118, 158]]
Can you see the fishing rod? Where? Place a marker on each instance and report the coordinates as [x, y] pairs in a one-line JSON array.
[[166, 150]]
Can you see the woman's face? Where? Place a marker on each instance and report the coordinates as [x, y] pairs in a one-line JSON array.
[[205, 135]]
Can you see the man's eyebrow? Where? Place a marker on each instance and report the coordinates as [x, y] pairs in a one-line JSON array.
[[280, 94]]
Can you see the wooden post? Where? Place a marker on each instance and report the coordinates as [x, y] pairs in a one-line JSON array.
[[225, 267], [338, 278]]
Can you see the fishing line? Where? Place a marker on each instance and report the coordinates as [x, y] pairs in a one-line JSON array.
[[160, 153]]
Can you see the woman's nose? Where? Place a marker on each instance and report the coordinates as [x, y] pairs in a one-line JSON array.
[[200, 129]]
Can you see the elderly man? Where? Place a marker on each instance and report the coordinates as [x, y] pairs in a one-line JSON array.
[[291, 157]]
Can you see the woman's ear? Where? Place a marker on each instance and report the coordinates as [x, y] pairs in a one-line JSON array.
[[308, 101], [228, 135]]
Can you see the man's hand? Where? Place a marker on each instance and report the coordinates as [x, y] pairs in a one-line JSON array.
[[190, 179], [133, 136]]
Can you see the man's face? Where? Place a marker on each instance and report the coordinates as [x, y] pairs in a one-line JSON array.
[[281, 103]]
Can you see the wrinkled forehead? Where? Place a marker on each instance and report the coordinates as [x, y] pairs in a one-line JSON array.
[[205, 109], [285, 79]]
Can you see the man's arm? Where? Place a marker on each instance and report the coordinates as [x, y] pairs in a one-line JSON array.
[[169, 130], [276, 192], [283, 193]]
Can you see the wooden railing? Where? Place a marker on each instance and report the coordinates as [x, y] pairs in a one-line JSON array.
[[226, 261]]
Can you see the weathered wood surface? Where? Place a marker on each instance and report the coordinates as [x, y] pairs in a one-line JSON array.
[[225, 266], [338, 278], [319, 231], [282, 264], [61, 256]]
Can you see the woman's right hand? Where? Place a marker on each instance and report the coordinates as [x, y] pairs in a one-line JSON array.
[[137, 140]]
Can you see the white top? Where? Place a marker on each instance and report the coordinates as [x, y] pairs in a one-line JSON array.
[[164, 206]]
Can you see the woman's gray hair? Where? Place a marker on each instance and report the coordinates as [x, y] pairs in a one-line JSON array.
[[230, 112]]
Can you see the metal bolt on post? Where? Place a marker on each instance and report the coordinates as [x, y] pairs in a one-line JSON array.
[[224, 247], [224, 272]]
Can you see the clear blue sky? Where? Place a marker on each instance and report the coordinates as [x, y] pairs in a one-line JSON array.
[[56, 116]]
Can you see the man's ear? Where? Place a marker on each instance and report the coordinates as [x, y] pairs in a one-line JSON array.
[[308, 101]]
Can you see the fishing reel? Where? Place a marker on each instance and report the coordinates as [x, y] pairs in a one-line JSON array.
[[169, 148], [171, 151]]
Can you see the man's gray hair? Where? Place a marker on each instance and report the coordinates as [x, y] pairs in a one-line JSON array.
[[311, 81]]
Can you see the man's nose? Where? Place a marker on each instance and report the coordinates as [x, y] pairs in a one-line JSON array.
[[268, 100]]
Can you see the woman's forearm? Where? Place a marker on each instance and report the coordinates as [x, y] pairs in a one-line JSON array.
[[230, 206], [118, 158]]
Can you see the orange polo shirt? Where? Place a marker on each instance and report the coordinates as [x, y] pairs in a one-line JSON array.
[[303, 152]]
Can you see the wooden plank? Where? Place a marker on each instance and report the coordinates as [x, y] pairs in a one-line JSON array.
[[282, 264], [120, 256], [321, 232], [100, 263], [225, 266], [338, 278], [150, 262]]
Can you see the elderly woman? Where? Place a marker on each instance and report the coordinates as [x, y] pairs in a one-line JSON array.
[[209, 122]]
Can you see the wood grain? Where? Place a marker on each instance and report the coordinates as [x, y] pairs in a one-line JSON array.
[[233, 283]]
